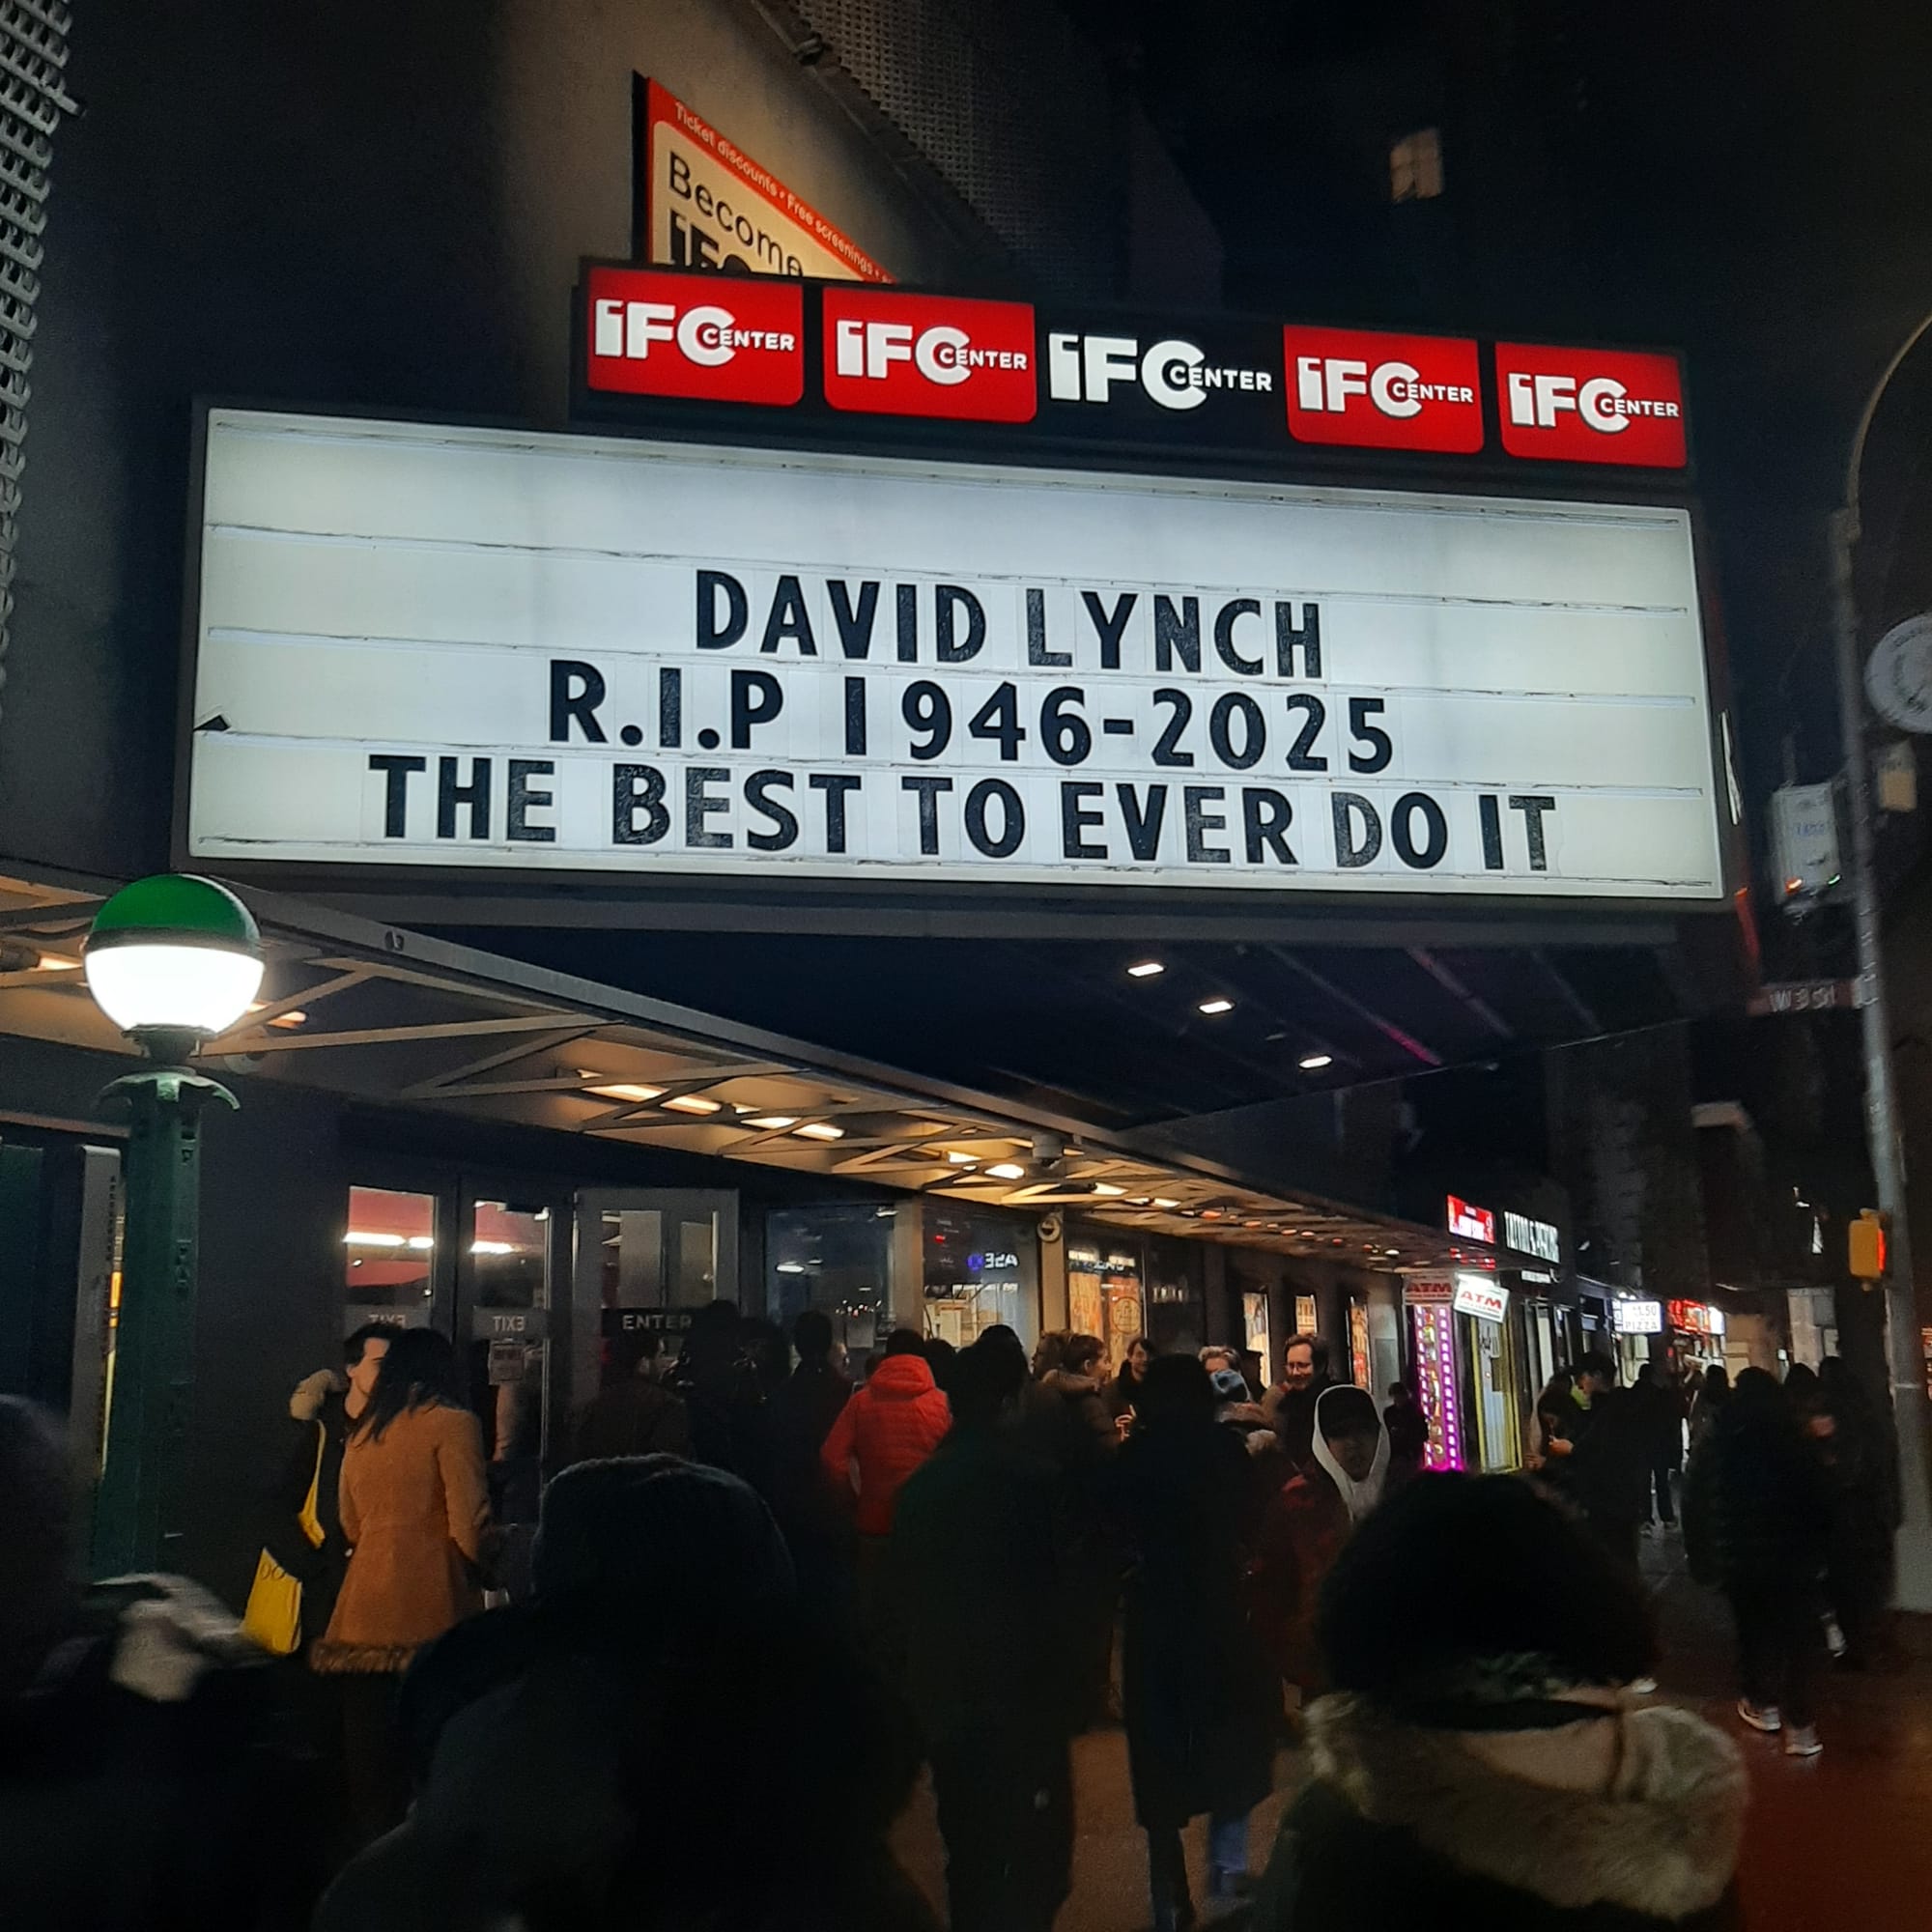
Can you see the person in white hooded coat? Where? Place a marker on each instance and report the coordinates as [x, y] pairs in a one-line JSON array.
[[1310, 1519]]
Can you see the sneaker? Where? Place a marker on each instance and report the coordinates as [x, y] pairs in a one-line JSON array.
[[1765, 1718], [1835, 1639], [1801, 1741]]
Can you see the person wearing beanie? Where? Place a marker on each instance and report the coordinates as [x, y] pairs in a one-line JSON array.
[[1481, 1760], [593, 1759]]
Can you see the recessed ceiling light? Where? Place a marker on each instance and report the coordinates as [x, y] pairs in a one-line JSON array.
[[1137, 1201], [289, 1021], [422, 1240], [56, 962], [694, 1103], [626, 1090], [1006, 1170], [1107, 1187], [1216, 1005], [959, 1160], [773, 1124], [1145, 969], [1314, 1063], [821, 1130], [493, 1247], [791, 1268], [355, 1238], [1158, 1203]]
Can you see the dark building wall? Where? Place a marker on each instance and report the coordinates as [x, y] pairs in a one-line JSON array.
[[373, 208]]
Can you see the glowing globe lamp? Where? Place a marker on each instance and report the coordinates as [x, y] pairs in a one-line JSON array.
[[173, 961]]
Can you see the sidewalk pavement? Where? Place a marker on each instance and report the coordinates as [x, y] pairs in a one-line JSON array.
[[1839, 1843]]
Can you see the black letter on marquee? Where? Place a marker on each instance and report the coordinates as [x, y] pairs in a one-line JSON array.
[[1176, 633], [396, 771], [1110, 628], [1143, 822], [1350, 852], [1224, 635], [1036, 650], [1201, 821], [712, 634], [636, 788], [568, 707], [475, 795], [928, 790], [906, 597], [1075, 819], [1532, 806], [789, 619], [1265, 816], [855, 626], [950, 599], [700, 805], [1013, 817], [523, 798], [1492, 816], [756, 699], [1287, 639], [1402, 829], [758, 788], [835, 786], [671, 708]]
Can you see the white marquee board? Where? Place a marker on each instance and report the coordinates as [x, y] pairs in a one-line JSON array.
[[449, 649]]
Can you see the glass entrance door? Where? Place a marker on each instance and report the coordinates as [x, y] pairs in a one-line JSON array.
[[647, 1257], [504, 1338]]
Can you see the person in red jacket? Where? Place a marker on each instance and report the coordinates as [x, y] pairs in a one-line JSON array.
[[888, 1429]]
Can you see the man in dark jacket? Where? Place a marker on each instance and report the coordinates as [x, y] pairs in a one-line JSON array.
[[1608, 1474], [976, 1548], [632, 1414], [1290, 1405]]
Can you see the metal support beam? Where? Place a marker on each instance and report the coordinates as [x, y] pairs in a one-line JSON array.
[[1388, 1028]]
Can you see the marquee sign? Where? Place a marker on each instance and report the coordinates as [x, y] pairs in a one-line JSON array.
[[460, 649], [1037, 376]]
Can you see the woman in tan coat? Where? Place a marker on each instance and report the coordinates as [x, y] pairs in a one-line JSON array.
[[415, 1508]]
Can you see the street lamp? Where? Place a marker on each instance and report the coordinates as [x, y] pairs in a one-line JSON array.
[[172, 961]]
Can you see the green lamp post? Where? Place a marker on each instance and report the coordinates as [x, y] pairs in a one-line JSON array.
[[172, 961]]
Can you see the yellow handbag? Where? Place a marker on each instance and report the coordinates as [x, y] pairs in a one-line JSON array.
[[274, 1616]]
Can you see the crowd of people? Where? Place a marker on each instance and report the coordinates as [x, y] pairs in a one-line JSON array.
[[764, 1592]]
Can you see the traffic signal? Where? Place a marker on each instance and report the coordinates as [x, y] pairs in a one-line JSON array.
[[1867, 1245]]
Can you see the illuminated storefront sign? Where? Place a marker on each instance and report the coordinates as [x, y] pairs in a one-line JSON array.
[[1696, 1317], [1637, 1317], [1374, 392], [1478, 1295], [1591, 406], [1473, 1223], [1532, 1237], [1432, 1326], [887, 354]]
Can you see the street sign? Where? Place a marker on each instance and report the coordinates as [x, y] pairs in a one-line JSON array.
[[1899, 675], [1805, 996]]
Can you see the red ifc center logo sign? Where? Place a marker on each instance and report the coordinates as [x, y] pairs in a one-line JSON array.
[[929, 355], [716, 338], [1375, 391], [1591, 406]]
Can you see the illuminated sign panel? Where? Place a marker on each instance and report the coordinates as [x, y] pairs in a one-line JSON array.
[[1373, 391], [1473, 1224]]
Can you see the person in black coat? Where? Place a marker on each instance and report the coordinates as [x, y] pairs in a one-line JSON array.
[[657, 1741], [1202, 1704], [979, 1546], [1862, 1474], [1480, 1764], [1756, 1516], [148, 1778], [1607, 1473]]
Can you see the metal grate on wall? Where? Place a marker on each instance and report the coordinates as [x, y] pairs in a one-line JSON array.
[[34, 101], [1006, 102]]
